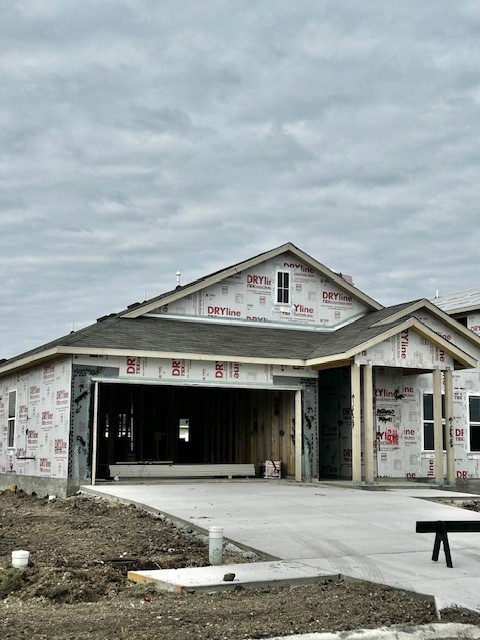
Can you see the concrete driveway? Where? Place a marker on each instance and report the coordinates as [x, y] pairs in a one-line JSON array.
[[363, 534]]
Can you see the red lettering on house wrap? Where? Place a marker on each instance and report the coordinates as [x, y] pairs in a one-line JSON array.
[[298, 267], [178, 368], [258, 281], [299, 308], [404, 344], [331, 296], [223, 311], [133, 366]]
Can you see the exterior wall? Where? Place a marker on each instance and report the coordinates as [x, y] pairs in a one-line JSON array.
[[249, 296], [41, 442]]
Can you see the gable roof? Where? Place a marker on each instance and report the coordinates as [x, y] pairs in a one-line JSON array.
[[409, 308], [134, 311], [376, 327]]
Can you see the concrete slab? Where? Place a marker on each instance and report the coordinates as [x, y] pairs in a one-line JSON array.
[[369, 535], [248, 575], [422, 632]]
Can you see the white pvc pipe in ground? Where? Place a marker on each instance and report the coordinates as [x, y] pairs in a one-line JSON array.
[[215, 545], [20, 559]]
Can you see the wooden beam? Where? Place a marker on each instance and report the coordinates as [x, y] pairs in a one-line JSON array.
[[437, 425], [356, 407], [298, 436], [368, 421], [449, 439]]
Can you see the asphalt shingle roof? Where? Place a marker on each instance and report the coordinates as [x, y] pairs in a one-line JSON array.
[[211, 338], [451, 302]]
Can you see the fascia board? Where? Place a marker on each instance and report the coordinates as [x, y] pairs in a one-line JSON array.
[[418, 304], [27, 361], [175, 355], [459, 310], [247, 264], [65, 350]]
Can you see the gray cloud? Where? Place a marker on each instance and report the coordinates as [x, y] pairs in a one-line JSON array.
[[138, 138]]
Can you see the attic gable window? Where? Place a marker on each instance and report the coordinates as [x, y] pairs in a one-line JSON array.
[[283, 287]]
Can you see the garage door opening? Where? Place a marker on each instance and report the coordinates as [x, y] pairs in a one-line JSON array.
[[167, 425]]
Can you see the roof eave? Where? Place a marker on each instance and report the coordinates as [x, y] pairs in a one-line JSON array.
[[58, 351], [21, 363]]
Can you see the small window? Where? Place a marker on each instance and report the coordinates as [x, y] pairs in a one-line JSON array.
[[12, 418], [283, 287], [428, 428], [184, 429], [474, 423]]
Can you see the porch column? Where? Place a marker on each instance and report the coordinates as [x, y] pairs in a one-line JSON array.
[[356, 407], [94, 432], [298, 436], [448, 383], [368, 421], [437, 425]]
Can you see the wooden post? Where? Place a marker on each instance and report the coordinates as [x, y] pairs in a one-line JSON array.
[[298, 436], [449, 439], [356, 424], [437, 425], [368, 421], [94, 432]]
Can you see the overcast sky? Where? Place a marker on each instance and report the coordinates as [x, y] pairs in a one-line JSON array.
[[142, 137]]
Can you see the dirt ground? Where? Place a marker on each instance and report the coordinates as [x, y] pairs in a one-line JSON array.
[[75, 587]]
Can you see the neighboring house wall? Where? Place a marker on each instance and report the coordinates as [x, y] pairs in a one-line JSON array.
[[40, 440], [473, 323]]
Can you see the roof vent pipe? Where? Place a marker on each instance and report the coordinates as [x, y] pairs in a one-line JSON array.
[[178, 274]]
